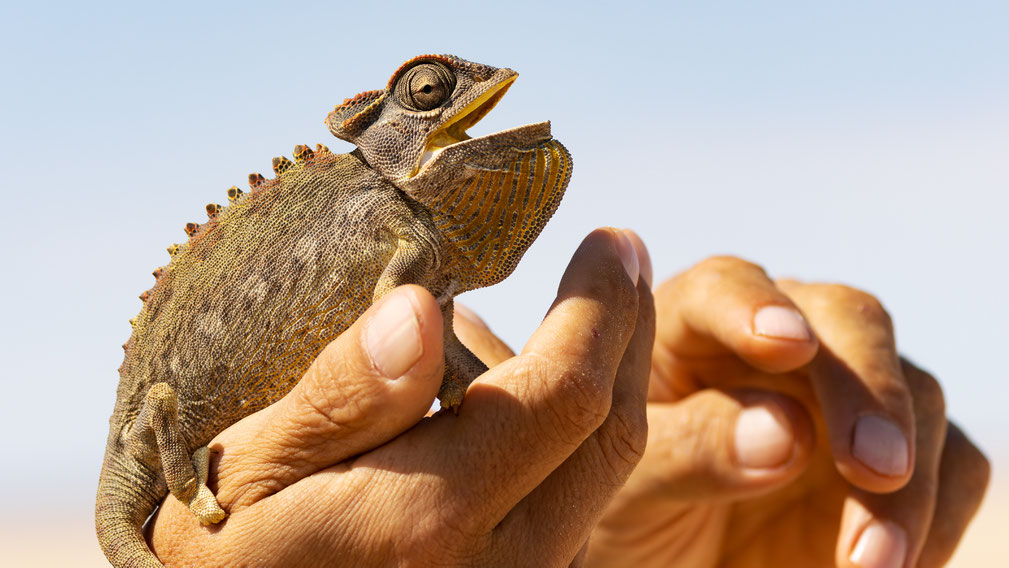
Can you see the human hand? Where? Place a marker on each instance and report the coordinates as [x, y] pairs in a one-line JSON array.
[[345, 470], [773, 442]]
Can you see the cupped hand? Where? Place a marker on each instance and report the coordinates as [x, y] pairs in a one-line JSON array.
[[785, 430], [345, 470]]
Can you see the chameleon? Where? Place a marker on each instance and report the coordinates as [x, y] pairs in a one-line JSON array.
[[256, 292]]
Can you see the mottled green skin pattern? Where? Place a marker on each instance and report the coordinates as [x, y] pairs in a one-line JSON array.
[[257, 292]]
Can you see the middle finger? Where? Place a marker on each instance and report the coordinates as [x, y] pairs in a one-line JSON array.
[[890, 529], [863, 394]]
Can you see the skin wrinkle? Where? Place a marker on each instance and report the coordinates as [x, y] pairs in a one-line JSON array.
[[254, 484], [620, 447], [353, 521], [624, 433], [630, 430], [582, 398], [567, 390]]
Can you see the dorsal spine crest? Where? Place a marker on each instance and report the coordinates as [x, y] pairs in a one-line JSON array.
[[302, 153], [255, 179], [281, 164]]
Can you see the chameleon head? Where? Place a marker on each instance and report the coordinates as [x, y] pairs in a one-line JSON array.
[[501, 188]]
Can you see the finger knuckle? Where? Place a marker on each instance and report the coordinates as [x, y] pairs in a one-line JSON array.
[[622, 441], [929, 399], [975, 469], [340, 408], [720, 265], [580, 407], [577, 401], [859, 301], [337, 392]]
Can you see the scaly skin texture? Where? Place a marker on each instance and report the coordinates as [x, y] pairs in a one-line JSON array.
[[251, 299]]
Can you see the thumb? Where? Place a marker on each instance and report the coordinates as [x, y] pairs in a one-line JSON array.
[[724, 445], [372, 383]]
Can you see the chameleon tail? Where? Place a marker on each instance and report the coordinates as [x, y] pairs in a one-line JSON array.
[[125, 499]]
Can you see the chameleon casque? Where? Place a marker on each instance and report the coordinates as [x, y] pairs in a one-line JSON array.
[[244, 306]]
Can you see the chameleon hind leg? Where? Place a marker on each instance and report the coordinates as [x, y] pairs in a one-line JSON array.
[[185, 476]]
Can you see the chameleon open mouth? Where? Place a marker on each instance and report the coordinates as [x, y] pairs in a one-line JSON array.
[[453, 132]]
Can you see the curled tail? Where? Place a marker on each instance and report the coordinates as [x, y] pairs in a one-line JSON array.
[[128, 493]]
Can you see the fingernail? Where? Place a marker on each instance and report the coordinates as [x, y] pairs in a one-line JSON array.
[[644, 259], [880, 445], [882, 545], [764, 438], [627, 255], [467, 314], [393, 337], [780, 322]]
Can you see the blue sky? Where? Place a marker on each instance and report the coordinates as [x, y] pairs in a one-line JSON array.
[[863, 142]]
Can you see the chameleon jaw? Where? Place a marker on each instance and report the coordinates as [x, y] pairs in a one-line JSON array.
[[513, 140], [454, 130]]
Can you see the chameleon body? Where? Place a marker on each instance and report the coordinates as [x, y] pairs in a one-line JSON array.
[[245, 305]]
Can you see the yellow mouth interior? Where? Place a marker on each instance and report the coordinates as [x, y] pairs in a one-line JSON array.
[[454, 130]]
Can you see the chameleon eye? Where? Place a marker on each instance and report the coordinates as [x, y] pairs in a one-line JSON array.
[[425, 86]]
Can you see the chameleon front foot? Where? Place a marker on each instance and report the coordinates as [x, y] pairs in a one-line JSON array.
[[450, 395], [461, 368]]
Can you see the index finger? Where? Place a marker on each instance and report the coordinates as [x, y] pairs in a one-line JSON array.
[[728, 306], [523, 418]]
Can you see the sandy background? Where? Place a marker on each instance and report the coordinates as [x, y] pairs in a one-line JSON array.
[[61, 536]]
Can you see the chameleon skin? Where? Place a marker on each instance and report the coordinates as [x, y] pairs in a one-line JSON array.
[[245, 306]]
